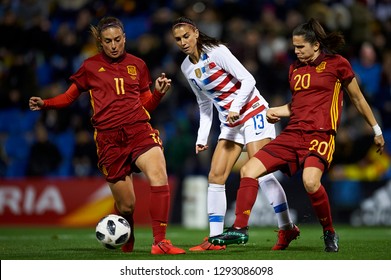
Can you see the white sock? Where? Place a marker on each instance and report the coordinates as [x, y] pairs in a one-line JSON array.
[[217, 206], [274, 192]]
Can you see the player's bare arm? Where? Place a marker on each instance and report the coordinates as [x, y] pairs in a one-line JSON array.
[[360, 103], [365, 110], [274, 114]]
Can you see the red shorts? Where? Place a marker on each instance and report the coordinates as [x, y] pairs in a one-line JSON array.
[[119, 148], [291, 149]]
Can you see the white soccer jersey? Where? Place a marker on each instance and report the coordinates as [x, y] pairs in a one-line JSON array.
[[219, 78]]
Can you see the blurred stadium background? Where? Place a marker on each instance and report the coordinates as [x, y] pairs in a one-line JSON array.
[[48, 173]]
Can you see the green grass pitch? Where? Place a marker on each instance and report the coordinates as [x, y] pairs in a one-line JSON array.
[[356, 243]]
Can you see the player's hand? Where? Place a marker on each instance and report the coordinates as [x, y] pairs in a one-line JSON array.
[[379, 142], [232, 117], [35, 103], [162, 84], [271, 116], [200, 148]]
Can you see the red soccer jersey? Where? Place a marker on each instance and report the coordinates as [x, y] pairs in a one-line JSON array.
[[317, 94], [114, 89]]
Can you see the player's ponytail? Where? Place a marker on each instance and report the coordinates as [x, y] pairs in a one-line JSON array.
[[313, 32]]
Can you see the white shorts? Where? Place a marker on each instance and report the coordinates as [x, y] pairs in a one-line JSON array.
[[254, 129]]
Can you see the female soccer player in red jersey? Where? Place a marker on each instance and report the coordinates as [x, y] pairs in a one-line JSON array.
[[317, 80], [119, 87], [218, 79]]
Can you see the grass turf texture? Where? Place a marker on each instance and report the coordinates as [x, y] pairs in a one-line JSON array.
[[356, 243]]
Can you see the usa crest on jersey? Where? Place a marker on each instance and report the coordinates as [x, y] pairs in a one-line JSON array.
[[198, 73]]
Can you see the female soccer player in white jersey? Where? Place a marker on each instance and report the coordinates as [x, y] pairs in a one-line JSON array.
[[217, 78]]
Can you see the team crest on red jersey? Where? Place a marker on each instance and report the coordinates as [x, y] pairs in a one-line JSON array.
[[320, 68], [198, 72], [132, 71]]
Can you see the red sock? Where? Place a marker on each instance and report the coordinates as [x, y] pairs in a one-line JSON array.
[[247, 194], [320, 203], [158, 209]]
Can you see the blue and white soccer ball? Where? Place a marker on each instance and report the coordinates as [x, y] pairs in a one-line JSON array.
[[112, 231]]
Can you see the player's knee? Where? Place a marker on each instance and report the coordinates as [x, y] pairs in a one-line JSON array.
[[245, 171], [310, 184], [215, 178], [126, 208], [158, 179]]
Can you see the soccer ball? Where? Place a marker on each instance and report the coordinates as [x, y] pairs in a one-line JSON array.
[[112, 231]]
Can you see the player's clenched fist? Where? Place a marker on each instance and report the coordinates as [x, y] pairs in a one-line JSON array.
[[35, 103]]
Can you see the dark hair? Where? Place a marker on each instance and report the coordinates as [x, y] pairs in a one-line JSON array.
[[313, 32], [103, 24], [204, 41]]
